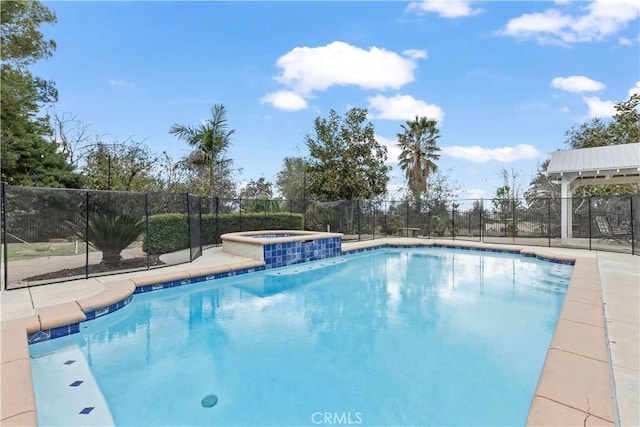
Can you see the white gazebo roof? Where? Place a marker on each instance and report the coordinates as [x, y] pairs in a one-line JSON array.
[[612, 164], [597, 165]]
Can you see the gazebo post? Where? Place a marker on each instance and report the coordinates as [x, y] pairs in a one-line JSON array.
[[565, 208]]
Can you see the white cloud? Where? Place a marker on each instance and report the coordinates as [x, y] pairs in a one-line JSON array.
[[635, 89], [596, 21], [120, 83], [577, 84], [479, 154], [393, 151], [403, 107], [625, 41], [564, 109], [444, 8], [415, 53], [305, 70], [599, 108], [308, 69], [475, 193], [285, 100]]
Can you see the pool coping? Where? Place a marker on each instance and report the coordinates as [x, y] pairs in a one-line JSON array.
[[294, 236], [575, 385]]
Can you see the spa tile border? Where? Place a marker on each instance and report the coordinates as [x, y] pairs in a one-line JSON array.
[[290, 253]]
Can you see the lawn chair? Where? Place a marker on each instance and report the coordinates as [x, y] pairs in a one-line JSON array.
[[607, 232]]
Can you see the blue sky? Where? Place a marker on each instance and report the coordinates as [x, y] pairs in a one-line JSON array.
[[504, 79]]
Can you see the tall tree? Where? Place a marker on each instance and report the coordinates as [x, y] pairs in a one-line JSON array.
[[125, 166], [419, 144], [624, 128], [346, 162], [209, 142], [291, 181], [28, 158], [71, 135], [257, 188], [541, 187]]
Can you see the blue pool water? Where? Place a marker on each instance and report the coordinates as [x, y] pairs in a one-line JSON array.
[[388, 337]]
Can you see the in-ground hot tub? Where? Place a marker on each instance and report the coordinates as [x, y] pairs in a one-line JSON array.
[[282, 247]]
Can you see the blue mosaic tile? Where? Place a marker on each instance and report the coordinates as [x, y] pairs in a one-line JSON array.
[[62, 331], [76, 383], [74, 328], [87, 410]]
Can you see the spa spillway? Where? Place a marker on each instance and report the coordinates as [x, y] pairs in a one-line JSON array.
[[278, 248]]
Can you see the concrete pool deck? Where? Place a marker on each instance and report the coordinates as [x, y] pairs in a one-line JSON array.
[[591, 375]]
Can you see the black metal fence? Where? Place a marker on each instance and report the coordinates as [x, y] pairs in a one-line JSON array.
[[51, 235]]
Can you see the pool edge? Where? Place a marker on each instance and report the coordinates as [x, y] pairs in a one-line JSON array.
[[552, 403]]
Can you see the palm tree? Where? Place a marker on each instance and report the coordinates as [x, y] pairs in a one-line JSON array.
[[418, 142], [209, 142]]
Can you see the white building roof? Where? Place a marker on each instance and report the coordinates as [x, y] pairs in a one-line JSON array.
[[612, 161]]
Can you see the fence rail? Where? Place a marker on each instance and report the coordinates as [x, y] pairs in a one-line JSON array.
[[51, 235]]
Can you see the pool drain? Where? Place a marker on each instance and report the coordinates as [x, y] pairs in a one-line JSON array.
[[209, 401]]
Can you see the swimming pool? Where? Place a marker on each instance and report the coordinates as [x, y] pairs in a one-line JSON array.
[[426, 336]]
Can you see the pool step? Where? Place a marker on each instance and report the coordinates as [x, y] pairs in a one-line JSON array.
[[561, 270], [66, 391]]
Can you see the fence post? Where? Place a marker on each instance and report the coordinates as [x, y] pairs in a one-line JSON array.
[[631, 223], [200, 221], [146, 226], [374, 220], [407, 225], [386, 216], [291, 215], [549, 201], [358, 218], [590, 222], [5, 247], [86, 238], [481, 214], [217, 224], [453, 221], [267, 204], [189, 226]]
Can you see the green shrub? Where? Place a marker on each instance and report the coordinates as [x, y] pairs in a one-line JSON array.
[[170, 232], [109, 233], [389, 224], [167, 233]]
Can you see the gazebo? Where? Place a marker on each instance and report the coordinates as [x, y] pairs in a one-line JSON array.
[[612, 164]]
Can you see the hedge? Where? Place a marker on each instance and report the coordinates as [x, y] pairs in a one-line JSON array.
[[170, 232]]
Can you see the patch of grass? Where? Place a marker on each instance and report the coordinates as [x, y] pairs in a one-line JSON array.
[[21, 251]]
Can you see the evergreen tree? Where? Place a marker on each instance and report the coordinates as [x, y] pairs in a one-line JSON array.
[[27, 157]]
